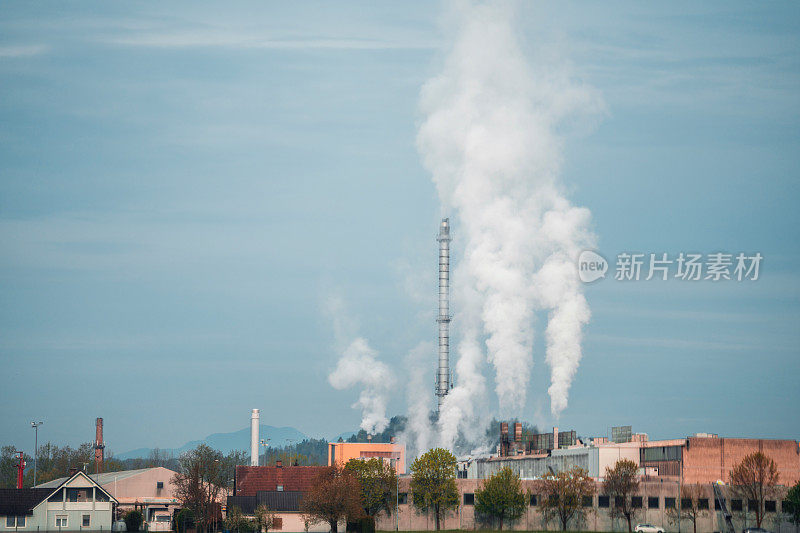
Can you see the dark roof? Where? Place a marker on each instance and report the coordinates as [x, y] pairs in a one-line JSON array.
[[252, 479], [21, 501], [279, 501]]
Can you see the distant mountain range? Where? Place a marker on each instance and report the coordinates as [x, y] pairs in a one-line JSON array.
[[228, 442]]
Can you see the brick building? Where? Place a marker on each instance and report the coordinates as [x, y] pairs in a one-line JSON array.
[[280, 488]]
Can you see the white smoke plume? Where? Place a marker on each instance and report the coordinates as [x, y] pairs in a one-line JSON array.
[[418, 433], [359, 366], [489, 137]]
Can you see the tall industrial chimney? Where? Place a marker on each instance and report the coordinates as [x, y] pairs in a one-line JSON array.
[[99, 447], [443, 376], [254, 438]]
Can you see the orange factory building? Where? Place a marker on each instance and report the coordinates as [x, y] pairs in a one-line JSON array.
[[341, 452]]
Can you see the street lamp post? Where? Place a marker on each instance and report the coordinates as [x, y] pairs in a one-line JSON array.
[[35, 426], [264, 443]]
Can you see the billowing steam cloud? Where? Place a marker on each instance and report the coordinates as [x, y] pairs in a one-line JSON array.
[[358, 366], [489, 138]]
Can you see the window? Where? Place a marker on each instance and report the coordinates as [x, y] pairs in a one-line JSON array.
[[618, 501], [534, 500], [752, 505], [686, 503], [652, 502], [163, 518], [602, 501], [587, 501], [669, 503], [280, 488], [786, 505], [469, 498], [717, 506], [100, 496], [402, 498], [736, 505], [769, 506], [636, 502], [702, 504], [57, 497], [61, 520], [15, 521], [86, 520], [277, 523]]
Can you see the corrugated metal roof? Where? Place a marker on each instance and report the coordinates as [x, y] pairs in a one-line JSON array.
[[279, 501], [105, 477]]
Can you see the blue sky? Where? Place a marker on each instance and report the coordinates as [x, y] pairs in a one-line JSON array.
[[184, 186]]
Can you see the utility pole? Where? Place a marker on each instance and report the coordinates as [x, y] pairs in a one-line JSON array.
[[35, 426]]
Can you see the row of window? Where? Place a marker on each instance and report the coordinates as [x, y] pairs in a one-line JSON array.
[[654, 502], [62, 521], [637, 502]]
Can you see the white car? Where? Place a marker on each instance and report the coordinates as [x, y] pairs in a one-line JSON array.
[[648, 528]]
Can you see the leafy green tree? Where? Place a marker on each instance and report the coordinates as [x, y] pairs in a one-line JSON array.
[[264, 518], [184, 520], [9, 460], [755, 479], [433, 482], [501, 497], [199, 482], [793, 510], [133, 520], [621, 483], [335, 496], [378, 483], [235, 520], [563, 494]]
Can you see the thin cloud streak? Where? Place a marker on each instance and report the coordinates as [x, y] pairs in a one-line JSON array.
[[23, 50], [239, 41]]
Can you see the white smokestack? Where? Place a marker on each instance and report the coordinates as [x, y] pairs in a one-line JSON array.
[[489, 140], [254, 429]]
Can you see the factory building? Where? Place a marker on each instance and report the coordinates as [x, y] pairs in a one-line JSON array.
[[702, 458], [651, 502], [394, 454]]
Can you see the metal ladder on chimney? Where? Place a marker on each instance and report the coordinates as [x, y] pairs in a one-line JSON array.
[[723, 508]]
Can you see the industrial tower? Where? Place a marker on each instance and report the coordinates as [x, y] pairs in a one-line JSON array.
[[443, 384]]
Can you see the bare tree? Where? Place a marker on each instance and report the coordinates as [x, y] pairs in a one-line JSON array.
[[754, 480], [199, 483], [563, 494], [335, 496], [690, 507], [621, 483]]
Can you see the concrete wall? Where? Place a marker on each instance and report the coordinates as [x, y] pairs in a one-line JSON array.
[[711, 459], [597, 518]]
